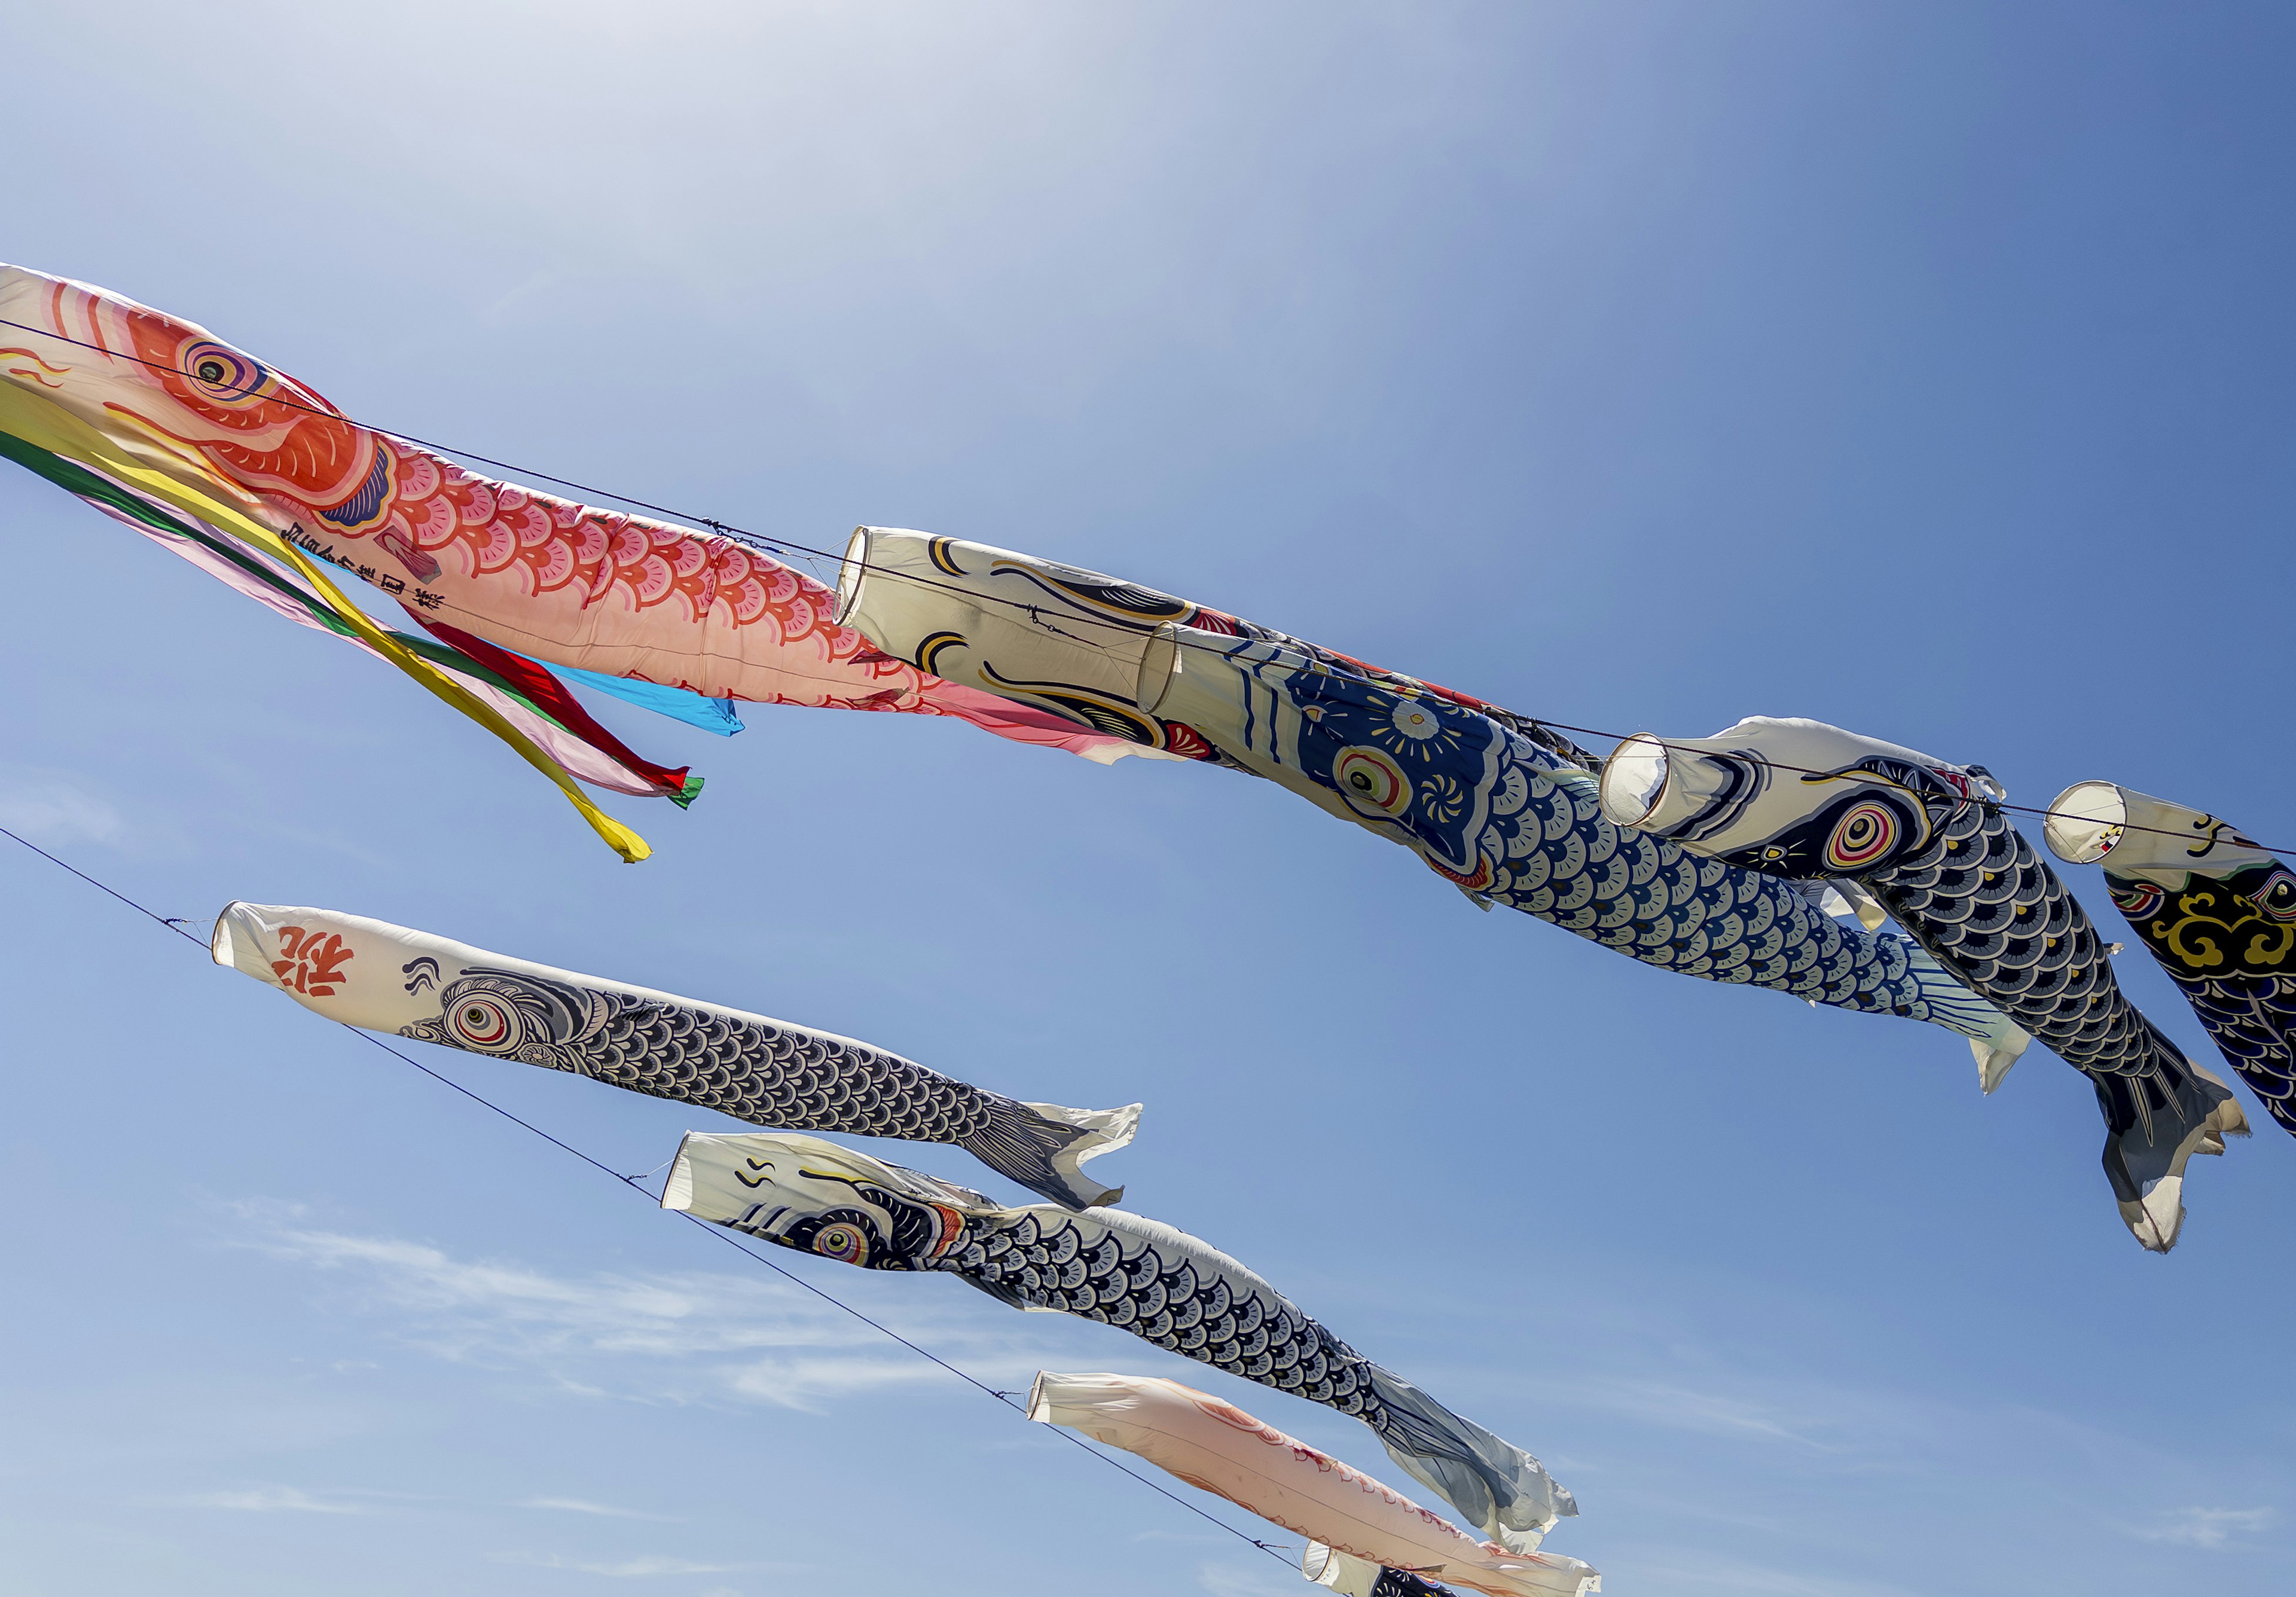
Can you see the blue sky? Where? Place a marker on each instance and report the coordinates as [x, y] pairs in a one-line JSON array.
[[1924, 369]]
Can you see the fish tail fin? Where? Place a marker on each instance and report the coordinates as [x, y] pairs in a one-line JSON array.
[[1043, 1145], [1994, 1038], [1502, 1490], [2147, 1145]]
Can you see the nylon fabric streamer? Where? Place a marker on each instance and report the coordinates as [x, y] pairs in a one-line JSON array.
[[1137, 1274], [1497, 805], [2216, 913], [148, 460], [208, 428], [1928, 839], [378, 977], [1065, 640], [606, 763], [679, 704], [1218, 1448]]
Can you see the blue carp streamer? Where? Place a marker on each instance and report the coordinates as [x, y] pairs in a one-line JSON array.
[[1514, 821]]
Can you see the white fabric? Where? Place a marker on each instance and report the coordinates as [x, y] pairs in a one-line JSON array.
[[1217, 1447], [1341, 1572], [1049, 635], [2135, 834], [1664, 786], [368, 962]]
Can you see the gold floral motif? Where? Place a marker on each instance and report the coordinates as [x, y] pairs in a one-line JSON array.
[[2215, 931]]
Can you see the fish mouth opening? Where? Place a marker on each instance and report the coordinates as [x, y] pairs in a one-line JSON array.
[[851, 572], [1160, 662], [2085, 822], [1634, 780]]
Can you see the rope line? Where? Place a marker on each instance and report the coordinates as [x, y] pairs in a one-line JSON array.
[[788, 546], [178, 926]]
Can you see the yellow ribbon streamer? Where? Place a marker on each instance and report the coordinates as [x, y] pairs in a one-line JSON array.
[[223, 504]]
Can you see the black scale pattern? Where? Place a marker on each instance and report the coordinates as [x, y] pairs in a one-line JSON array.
[[1992, 911]]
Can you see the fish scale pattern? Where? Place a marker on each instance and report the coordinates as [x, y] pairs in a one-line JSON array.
[[2252, 1019], [1991, 909], [1993, 912], [747, 1067], [1169, 1288], [751, 1070], [1645, 898], [1137, 1275], [1510, 820], [1080, 1263]]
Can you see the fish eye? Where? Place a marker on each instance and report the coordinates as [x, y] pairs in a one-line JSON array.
[[1360, 783], [2276, 897], [211, 370]]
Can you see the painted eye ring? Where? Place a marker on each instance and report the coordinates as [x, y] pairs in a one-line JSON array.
[[483, 1024], [221, 375], [2277, 896], [843, 1241], [1371, 781], [1866, 833], [2137, 899]]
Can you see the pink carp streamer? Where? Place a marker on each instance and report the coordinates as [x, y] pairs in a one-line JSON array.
[[171, 411], [1217, 1447]]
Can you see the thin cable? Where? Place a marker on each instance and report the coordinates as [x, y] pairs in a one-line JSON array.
[[634, 1183], [327, 415], [2025, 809], [788, 546]]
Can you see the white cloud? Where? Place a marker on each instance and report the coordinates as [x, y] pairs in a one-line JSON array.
[[1683, 1408], [690, 1337], [629, 1566], [2206, 1526], [50, 807], [268, 1500], [798, 1382], [576, 1505]]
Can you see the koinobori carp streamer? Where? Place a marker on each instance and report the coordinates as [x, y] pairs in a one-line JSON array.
[[1140, 1275], [1929, 841], [157, 412], [1217, 1447], [2216, 911], [1497, 804], [389, 978]]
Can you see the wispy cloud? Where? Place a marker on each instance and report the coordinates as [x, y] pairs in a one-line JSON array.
[[678, 1337], [800, 1383], [1686, 1408], [270, 1500], [50, 807], [2206, 1526], [603, 1511], [628, 1567]]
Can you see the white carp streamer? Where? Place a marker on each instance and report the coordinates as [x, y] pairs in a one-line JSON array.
[[1218, 1448]]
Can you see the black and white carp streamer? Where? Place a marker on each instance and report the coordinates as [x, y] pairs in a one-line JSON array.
[[383, 978], [1929, 841], [1139, 1275], [2218, 911]]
